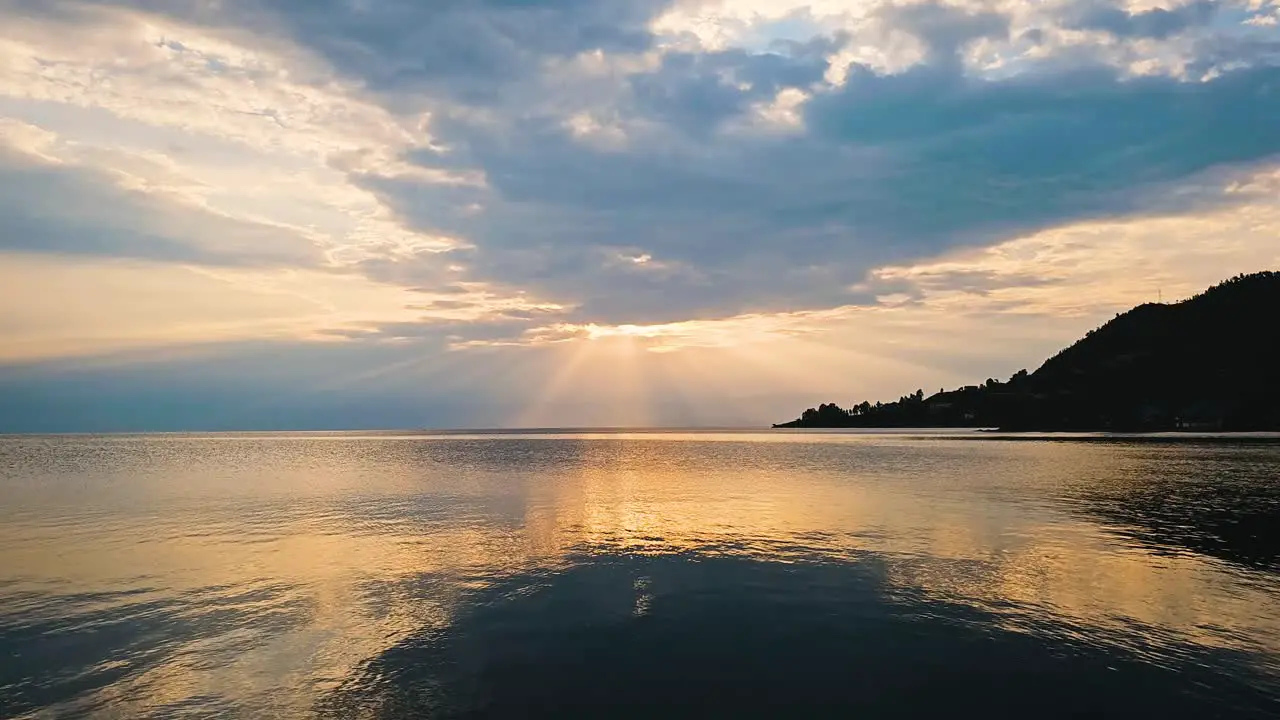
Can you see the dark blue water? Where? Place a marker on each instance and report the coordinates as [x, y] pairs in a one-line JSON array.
[[643, 575]]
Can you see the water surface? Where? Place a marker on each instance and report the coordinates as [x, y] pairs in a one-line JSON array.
[[639, 575]]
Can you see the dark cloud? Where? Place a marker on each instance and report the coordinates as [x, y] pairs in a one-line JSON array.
[[944, 30], [1037, 150], [1157, 23], [1215, 52], [71, 210], [698, 92], [891, 167], [466, 48]]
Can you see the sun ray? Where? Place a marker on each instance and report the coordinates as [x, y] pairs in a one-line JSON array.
[[568, 361]]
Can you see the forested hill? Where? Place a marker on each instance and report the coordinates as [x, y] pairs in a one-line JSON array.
[[1209, 363]]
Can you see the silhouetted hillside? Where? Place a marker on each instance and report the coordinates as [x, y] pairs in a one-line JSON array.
[[1210, 363]]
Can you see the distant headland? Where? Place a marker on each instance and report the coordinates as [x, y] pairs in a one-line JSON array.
[[1208, 363]]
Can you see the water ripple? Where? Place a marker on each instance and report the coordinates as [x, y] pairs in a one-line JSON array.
[[488, 576]]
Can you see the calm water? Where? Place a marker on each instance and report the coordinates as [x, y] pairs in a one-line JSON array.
[[647, 575]]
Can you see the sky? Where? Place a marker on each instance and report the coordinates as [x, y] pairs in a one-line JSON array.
[[327, 214]]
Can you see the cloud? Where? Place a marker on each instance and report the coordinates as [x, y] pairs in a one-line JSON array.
[[1089, 268], [51, 207], [1158, 23], [514, 177], [697, 92], [64, 305], [1043, 149], [465, 49], [247, 128], [584, 129], [891, 167], [461, 48], [945, 31]]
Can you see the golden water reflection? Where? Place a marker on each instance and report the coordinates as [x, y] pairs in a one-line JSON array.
[[268, 570]]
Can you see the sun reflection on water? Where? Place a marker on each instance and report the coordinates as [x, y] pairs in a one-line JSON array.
[[187, 572]]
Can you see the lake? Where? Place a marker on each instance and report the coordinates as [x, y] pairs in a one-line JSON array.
[[643, 574]]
